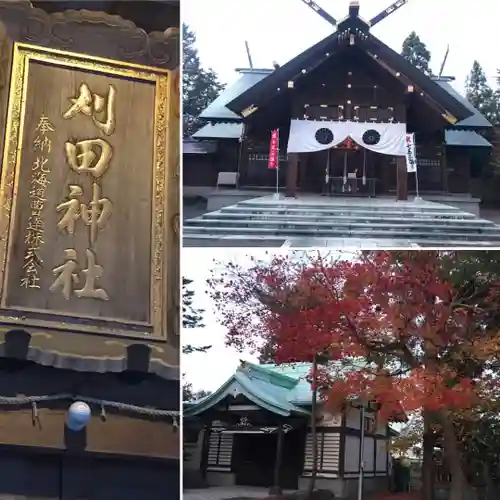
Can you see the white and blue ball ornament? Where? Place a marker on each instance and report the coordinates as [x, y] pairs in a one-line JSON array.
[[79, 414]]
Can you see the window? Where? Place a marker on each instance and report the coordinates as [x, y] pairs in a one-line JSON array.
[[328, 451], [220, 449], [370, 424]]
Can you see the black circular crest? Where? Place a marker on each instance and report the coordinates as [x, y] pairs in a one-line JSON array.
[[371, 137], [324, 136]]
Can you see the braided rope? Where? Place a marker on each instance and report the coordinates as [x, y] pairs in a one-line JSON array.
[[152, 412]]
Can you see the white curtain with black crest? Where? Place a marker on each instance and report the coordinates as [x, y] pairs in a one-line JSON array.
[[311, 135]]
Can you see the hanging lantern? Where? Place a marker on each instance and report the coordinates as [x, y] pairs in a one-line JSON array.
[[347, 144], [79, 414]]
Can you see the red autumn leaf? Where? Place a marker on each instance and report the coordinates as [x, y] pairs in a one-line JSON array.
[[395, 310]]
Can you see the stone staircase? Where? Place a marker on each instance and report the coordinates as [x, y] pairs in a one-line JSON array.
[[415, 223]]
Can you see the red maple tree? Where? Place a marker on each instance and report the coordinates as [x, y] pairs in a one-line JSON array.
[[425, 338]]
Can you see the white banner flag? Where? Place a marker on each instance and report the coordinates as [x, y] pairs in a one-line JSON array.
[[411, 155]]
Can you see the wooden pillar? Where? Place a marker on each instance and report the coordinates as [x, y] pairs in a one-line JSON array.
[[402, 179], [242, 155], [292, 173], [444, 167], [205, 450], [276, 488], [400, 115]]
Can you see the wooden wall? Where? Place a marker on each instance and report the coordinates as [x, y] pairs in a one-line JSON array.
[[201, 170], [345, 88], [350, 88], [50, 476], [150, 16], [375, 454], [458, 162], [120, 433]]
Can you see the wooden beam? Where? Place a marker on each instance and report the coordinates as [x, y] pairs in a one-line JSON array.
[[414, 89], [118, 434]]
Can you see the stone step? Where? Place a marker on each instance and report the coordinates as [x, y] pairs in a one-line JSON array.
[[375, 207], [350, 226], [332, 212], [330, 223], [315, 219], [453, 234]]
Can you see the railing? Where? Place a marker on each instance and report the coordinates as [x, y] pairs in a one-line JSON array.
[[338, 186]]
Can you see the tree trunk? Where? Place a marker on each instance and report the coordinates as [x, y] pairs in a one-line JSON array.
[[453, 455], [428, 466], [314, 435]]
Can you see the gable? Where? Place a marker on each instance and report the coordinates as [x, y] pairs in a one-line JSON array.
[[270, 391], [351, 32]]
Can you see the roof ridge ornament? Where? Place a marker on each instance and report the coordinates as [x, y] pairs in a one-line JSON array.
[[354, 11]]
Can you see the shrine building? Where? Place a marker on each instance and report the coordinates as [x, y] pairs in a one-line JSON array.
[[255, 430], [342, 108]]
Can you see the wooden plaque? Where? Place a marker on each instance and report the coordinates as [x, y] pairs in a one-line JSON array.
[[83, 221]]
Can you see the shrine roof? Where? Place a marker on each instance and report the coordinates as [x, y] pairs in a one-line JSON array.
[[219, 131], [195, 147], [282, 389], [217, 110], [277, 82], [268, 390], [477, 120], [465, 138]]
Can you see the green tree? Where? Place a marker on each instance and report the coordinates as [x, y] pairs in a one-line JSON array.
[[187, 391], [415, 52], [192, 317], [199, 86], [189, 395], [480, 94]]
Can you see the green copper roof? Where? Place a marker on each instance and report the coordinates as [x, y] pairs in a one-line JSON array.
[[282, 389], [265, 388]]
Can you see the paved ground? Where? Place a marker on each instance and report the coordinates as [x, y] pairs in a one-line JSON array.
[[225, 492], [191, 210], [331, 201], [492, 214], [270, 242], [234, 242], [349, 243]]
